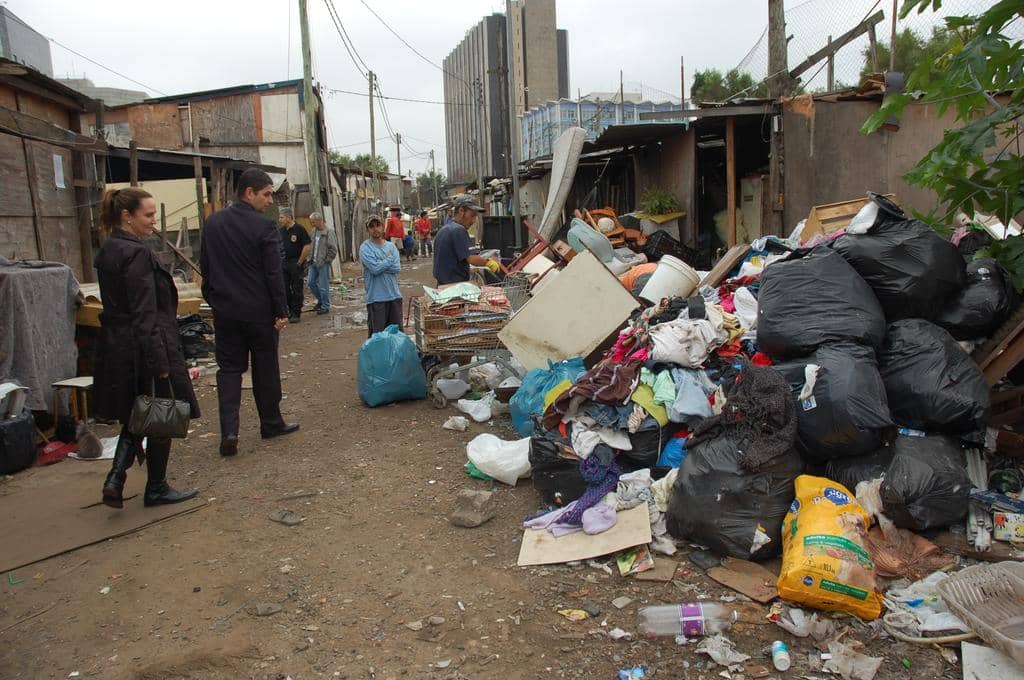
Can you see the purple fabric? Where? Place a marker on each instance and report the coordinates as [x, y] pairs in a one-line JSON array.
[[599, 518], [601, 480]]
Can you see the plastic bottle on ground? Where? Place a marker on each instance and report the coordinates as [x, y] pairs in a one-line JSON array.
[[690, 619]]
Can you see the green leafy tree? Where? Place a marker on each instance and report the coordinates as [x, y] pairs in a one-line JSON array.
[[912, 49], [361, 160], [976, 166], [425, 186], [710, 85]]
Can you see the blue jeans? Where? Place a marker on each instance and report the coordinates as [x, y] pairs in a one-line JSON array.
[[319, 284]]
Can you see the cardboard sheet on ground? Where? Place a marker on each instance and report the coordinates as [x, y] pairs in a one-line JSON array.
[[749, 578], [985, 663], [585, 297], [664, 570], [45, 515], [632, 527]]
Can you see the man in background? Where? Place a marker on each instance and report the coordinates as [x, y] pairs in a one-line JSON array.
[[295, 253], [426, 246], [395, 230], [452, 244], [240, 263], [381, 264], [323, 251]]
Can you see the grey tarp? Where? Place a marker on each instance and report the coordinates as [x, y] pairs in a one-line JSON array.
[[37, 327]]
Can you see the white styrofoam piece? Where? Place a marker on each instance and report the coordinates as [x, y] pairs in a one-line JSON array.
[[985, 663], [570, 316]]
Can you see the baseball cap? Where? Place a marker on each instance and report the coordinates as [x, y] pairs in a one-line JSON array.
[[465, 201], [373, 218]]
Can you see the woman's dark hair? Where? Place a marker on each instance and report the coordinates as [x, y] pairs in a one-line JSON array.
[[253, 178], [116, 200]]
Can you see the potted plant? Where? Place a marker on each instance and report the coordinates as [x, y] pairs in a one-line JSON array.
[[659, 210]]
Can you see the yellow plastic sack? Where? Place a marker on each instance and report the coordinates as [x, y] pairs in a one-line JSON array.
[[825, 562]]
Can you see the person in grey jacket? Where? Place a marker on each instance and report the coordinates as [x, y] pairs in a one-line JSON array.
[[325, 249]]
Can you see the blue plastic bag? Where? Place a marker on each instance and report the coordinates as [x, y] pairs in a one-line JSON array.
[[673, 454], [529, 398], [389, 369]]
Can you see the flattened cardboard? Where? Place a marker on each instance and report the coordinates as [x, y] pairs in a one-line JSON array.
[[632, 527], [748, 578]]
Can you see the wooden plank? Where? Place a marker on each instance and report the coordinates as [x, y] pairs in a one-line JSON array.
[[22, 125], [839, 43], [1005, 361], [957, 545], [729, 261], [197, 168], [25, 86], [15, 200], [30, 171], [730, 177]]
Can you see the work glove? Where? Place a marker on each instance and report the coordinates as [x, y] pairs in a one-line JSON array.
[[493, 266]]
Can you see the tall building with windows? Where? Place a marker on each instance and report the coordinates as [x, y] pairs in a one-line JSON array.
[[478, 114]]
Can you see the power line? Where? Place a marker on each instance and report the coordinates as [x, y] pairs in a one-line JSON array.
[[345, 40], [397, 99]]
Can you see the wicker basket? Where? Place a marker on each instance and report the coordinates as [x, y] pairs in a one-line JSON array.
[[990, 599]]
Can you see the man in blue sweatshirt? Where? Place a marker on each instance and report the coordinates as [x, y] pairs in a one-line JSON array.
[[381, 264]]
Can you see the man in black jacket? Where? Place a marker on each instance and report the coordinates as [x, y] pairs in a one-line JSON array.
[[242, 281]]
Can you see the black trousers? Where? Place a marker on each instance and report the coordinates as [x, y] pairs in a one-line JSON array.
[[236, 342], [380, 315], [293, 286]]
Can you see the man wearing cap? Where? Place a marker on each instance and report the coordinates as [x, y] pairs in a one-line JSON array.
[[295, 244], [381, 264], [452, 243], [323, 252]]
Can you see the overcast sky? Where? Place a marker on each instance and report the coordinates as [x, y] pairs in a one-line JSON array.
[[191, 45]]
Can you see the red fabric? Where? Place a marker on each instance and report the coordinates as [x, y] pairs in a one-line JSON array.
[[760, 359], [395, 228], [423, 226], [730, 350], [727, 304]]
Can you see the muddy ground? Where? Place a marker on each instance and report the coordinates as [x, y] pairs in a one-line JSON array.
[[374, 553]]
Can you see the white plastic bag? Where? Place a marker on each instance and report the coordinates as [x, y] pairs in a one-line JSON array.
[[864, 219], [457, 423], [505, 461], [477, 409], [488, 374], [452, 388]]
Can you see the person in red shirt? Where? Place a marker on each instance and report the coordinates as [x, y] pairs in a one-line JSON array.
[[395, 232], [426, 246]]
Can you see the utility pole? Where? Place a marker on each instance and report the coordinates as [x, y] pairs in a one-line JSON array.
[[433, 175], [778, 69], [398, 144], [312, 152], [622, 100], [892, 39], [373, 147], [514, 124], [682, 84], [482, 142]]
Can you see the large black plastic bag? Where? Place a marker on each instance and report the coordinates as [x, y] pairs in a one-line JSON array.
[[557, 478], [912, 270], [931, 382], [983, 304], [847, 413], [926, 485], [807, 301], [17, 443], [719, 504], [852, 471]]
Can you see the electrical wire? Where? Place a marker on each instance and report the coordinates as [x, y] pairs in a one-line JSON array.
[[397, 99], [345, 40]]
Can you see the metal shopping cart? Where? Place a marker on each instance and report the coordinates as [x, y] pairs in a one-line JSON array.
[[465, 331]]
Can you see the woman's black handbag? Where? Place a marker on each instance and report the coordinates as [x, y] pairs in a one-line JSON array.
[[159, 417]]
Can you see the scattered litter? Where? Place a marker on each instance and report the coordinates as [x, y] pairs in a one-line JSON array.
[[780, 656], [286, 568], [267, 609], [721, 650], [600, 565], [635, 673], [621, 602], [985, 663], [286, 517], [444, 663], [619, 634], [851, 664], [456, 423], [414, 625], [796, 622], [436, 620], [574, 614], [104, 590], [505, 461], [477, 409], [634, 560]]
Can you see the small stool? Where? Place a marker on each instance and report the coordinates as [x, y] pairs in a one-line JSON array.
[[78, 396]]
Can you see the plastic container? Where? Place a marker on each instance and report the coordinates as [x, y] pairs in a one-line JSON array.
[[989, 598], [672, 277], [780, 656], [690, 619], [582, 237]]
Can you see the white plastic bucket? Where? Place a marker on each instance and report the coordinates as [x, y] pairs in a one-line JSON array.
[[673, 277]]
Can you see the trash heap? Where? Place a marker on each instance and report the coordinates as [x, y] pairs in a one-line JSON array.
[[818, 403]]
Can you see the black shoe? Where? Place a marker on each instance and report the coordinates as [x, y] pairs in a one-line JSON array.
[[284, 428], [322, 311], [228, 446], [158, 491], [124, 456], [161, 493]]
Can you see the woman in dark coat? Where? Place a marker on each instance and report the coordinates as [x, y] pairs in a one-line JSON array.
[[138, 345]]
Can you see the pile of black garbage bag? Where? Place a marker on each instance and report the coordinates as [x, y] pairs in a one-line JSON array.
[[868, 380], [192, 332]]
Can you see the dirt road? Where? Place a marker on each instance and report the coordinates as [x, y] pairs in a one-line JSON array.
[[359, 579]]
